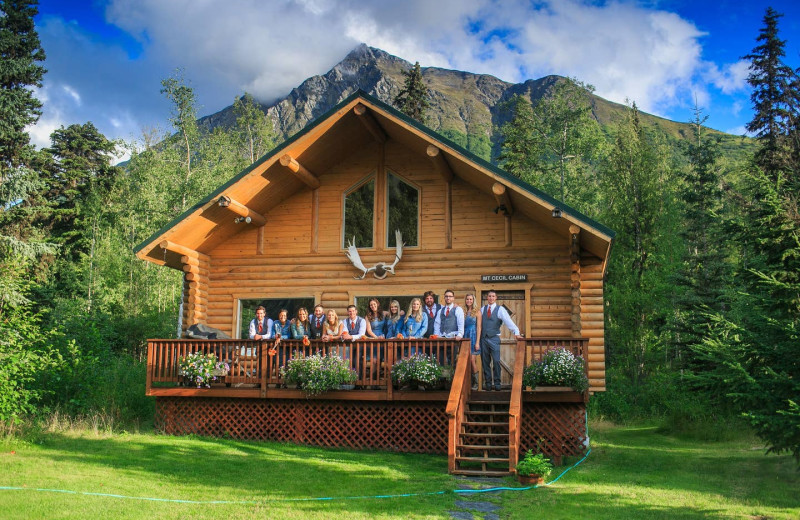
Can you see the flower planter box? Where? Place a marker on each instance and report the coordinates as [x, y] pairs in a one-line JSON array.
[[530, 480]]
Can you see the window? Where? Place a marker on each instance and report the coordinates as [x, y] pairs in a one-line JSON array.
[[247, 310], [403, 211], [359, 214], [362, 302]]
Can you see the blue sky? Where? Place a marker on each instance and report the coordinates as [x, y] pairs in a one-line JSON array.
[[106, 58]]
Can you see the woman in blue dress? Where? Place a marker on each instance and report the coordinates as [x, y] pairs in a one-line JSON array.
[[394, 321], [300, 327], [416, 323], [282, 328], [376, 320], [471, 315]]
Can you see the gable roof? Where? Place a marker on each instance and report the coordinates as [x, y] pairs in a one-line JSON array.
[[330, 138]]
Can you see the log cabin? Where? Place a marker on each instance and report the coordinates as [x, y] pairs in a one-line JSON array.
[[277, 234]]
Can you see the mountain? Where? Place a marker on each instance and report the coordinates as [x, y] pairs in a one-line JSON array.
[[464, 107]]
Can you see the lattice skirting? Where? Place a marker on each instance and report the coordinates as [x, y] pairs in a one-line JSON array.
[[561, 425], [419, 427], [408, 426]]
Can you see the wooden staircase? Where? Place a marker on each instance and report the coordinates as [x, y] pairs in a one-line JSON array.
[[482, 447]]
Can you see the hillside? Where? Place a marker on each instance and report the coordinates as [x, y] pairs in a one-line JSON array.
[[465, 107]]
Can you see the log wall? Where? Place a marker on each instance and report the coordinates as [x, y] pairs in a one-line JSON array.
[[294, 265]]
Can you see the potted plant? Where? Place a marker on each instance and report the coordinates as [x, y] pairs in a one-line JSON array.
[[200, 369], [558, 367], [418, 371], [532, 469]]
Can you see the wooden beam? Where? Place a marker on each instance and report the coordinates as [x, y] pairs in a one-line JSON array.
[[315, 221], [440, 163], [299, 171], [369, 122], [448, 215], [243, 211], [182, 250], [502, 198]]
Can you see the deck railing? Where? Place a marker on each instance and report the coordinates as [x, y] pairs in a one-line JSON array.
[[258, 363]]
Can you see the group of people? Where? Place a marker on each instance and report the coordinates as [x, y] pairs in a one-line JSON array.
[[425, 318]]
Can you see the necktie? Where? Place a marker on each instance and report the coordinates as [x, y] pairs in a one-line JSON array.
[[319, 321], [430, 312], [260, 327], [447, 312], [353, 325], [490, 311]]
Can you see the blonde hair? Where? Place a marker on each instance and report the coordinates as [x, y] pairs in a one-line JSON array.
[[418, 315], [394, 317], [473, 312], [327, 323]]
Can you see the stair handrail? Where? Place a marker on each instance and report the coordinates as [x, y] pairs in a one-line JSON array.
[[515, 406], [456, 402]]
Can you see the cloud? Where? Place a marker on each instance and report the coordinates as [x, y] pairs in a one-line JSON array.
[[626, 50], [732, 78]]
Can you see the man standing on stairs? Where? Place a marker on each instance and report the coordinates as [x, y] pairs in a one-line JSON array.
[[492, 317]]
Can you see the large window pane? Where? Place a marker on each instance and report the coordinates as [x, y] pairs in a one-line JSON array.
[[359, 210], [403, 202], [247, 310]]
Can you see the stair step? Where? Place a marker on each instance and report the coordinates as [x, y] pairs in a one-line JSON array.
[[487, 402], [482, 460], [479, 473], [483, 423], [487, 447], [486, 412], [481, 434]]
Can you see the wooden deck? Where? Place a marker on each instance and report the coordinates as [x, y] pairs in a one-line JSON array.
[[251, 402]]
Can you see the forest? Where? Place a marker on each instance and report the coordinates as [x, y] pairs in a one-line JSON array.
[[702, 289]]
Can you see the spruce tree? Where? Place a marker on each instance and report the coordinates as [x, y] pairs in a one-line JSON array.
[[754, 345], [412, 100], [771, 80]]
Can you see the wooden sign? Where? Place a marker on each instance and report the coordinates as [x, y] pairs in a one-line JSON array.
[[503, 278]]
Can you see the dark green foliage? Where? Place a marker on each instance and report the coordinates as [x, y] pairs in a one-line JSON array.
[[556, 144], [772, 81], [753, 345], [359, 208], [403, 214], [20, 50], [412, 100]]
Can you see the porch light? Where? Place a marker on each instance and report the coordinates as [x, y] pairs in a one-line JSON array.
[[556, 212]]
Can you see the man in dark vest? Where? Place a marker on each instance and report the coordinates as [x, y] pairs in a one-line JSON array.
[[261, 326], [354, 326], [492, 317], [449, 322], [431, 308], [317, 321]]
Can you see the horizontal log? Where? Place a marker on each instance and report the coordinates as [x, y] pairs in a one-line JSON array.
[[196, 270], [196, 277], [595, 366], [586, 308], [370, 123], [591, 284], [592, 333], [244, 212], [592, 316], [300, 171], [182, 250], [440, 163], [188, 260]]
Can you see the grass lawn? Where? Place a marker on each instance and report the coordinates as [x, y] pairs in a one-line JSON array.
[[631, 473]]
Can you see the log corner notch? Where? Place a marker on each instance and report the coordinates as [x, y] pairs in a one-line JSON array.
[[246, 214], [300, 171], [503, 207], [369, 122]]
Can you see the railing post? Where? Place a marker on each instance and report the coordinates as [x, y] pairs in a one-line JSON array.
[[150, 366], [515, 407], [262, 369], [391, 351]]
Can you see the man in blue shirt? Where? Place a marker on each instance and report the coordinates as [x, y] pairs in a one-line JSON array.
[[492, 317]]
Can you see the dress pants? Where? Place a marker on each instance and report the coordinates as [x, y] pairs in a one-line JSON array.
[[490, 354]]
